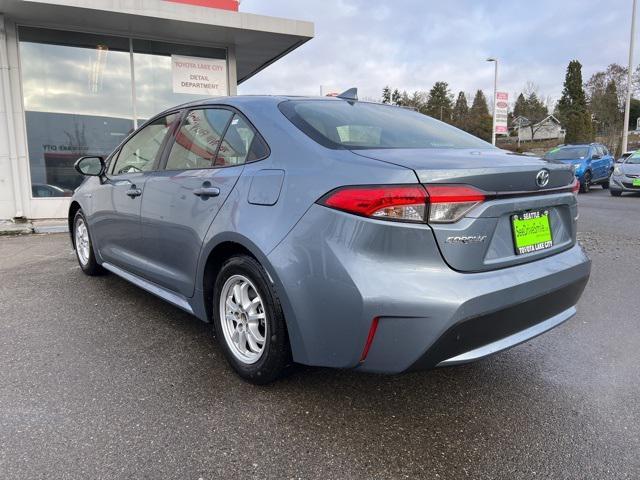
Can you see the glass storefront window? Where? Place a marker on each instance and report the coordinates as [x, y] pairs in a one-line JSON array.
[[79, 97], [154, 82]]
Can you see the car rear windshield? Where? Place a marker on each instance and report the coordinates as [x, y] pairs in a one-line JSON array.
[[341, 124], [567, 153]]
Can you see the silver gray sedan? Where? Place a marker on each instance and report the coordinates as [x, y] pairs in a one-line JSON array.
[[626, 176], [334, 232]]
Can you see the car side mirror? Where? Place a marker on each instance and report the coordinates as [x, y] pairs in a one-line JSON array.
[[90, 166], [595, 156]]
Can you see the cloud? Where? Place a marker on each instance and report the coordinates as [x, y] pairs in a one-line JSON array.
[[411, 44]]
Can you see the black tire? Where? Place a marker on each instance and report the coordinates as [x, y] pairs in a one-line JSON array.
[[615, 193], [585, 186], [89, 265], [276, 354]]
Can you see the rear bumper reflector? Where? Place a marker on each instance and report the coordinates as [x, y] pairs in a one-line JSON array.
[[372, 334]]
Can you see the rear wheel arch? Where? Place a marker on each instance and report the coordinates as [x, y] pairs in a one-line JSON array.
[[215, 259], [228, 245], [220, 250], [73, 209]]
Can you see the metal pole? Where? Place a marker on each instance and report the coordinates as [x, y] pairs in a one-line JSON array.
[[134, 100], [495, 91], [625, 127]]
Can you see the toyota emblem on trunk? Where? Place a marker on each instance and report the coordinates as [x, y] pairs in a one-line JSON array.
[[542, 178]]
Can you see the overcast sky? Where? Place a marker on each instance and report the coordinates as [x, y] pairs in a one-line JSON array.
[[410, 44]]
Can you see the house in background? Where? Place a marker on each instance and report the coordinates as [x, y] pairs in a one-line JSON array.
[[546, 129]]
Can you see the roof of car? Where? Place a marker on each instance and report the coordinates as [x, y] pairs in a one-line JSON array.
[[239, 99]]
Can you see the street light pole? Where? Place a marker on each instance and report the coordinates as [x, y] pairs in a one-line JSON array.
[[495, 91], [625, 127]]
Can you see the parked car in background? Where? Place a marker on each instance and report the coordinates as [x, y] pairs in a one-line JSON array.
[[44, 190], [592, 163], [333, 232], [626, 176]]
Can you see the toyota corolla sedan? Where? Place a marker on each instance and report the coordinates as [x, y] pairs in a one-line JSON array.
[[334, 232], [626, 176]]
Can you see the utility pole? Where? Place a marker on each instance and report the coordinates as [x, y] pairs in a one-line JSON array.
[[495, 91], [625, 127]]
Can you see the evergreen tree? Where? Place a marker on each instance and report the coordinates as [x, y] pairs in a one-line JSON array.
[[395, 97], [439, 103], [572, 107], [520, 107], [386, 94], [480, 121], [535, 111], [460, 113]]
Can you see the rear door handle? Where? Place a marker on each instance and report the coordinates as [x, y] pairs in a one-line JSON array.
[[134, 192], [207, 192]]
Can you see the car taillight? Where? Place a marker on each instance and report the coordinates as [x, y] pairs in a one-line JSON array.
[[575, 186], [449, 203], [406, 203]]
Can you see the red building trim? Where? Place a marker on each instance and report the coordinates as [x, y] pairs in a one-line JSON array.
[[222, 4]]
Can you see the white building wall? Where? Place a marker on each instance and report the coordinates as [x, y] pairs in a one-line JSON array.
[[12, 144]]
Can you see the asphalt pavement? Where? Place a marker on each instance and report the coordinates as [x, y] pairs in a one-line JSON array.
[[99, 379]]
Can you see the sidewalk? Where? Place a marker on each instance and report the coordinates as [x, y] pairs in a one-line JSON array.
[[9, 227]]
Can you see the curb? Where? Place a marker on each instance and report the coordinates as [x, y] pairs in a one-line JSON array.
[[9, 228]]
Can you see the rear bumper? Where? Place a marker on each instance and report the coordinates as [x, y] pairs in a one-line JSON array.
[[335, 273], [480, 336], [510, 341]]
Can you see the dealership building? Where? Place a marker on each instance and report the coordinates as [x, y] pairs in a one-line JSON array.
[[77, 76]]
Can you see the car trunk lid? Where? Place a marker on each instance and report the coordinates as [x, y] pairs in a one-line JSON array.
[[484, 238]]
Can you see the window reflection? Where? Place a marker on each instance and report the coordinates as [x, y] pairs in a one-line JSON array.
[[140, 152], [235, 145], [154, 80], [198, 139], [78, 97], [77, 102]]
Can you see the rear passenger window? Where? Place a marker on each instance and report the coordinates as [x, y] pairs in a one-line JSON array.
[[198, 139], [258, 150], [235, 146]]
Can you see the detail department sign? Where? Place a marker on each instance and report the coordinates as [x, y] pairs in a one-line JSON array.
[[199, 76]]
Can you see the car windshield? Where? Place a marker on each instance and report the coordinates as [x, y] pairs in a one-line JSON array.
[[567, 153], [357, 125], [634, 159]]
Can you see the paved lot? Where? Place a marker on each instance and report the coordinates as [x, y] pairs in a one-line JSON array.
[[101, 380]]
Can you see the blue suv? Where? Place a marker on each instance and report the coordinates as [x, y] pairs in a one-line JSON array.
[[592, 163]]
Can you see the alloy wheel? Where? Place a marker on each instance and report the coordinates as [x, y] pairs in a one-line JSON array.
[[243, 319], [82, 242]]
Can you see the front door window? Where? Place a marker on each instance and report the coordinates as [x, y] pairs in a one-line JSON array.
[[140, 152]]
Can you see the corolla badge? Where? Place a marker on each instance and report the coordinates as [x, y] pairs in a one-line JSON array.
[[467, 239], [542, 178]]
